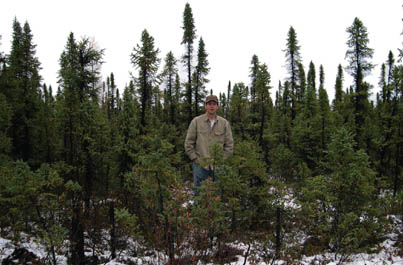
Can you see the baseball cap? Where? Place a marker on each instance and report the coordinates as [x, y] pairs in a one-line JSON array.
[[211, 98]]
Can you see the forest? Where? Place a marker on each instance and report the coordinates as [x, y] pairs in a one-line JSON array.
[[90, 168]]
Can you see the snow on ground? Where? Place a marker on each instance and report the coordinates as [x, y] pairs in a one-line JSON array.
[[387, 255]]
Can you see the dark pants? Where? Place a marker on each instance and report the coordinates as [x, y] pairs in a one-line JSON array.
[[200, 174]]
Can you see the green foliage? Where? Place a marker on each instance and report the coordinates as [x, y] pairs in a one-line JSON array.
[[5, 123], [145, 58], [342, 204], [21, 88], [200, 78]]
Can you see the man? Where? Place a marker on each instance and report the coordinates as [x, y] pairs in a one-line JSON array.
[[203, 131]]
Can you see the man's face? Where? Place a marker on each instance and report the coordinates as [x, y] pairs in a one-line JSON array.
[[211, 107]]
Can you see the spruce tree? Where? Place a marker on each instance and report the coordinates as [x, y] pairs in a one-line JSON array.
[[5, 124], [301, 85], [324, 108], [81, 128], [263, 87], [200, 77], [23, 93], [358, 55], [306, 129], [5, 115], [239, 110], [145, 58], [293, 59], [128, 126], [169, 73], [338, 87], [387, 93], [311, 77], [228, 100], [189, 35], [396, 141], [346, 193], [49, 140], [254, 69]]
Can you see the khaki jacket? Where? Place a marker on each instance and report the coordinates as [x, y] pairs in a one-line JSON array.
[[200, 136]]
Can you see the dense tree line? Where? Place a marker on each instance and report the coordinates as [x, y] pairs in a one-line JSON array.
[[93, 164]]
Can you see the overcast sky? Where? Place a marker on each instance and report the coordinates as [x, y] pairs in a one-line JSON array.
[[233, 31]]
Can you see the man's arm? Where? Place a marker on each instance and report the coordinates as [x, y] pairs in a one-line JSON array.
[[190, 141]]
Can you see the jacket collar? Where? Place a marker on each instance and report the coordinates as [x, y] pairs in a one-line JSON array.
[[206, 119]]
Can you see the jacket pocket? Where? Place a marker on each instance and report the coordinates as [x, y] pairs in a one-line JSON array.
[[203, 132], [219, 136]]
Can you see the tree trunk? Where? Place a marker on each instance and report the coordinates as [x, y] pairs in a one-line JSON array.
[[112, 232], [77, 239]]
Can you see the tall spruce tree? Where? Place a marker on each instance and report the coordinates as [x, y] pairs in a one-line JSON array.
[[338, 87], [128, 126], [239, 110], [293, 59], [306, 129], [396, 141], [5, 115], [263, 87], [169, 73], [254, 69], [387, 93], [145, 58], [81, 129], [324, 108], [358, 55], [23, 93], [5, 123], [311, 77], [189, 35], [49, 140], [301, 85], [200, 77]]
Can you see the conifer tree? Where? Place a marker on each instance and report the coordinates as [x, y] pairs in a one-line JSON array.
[[263, 87], [306, 130], [81, 129], [382, 84], [49, 140], [23, 92], [5, 115], [358, 55], [145, 58], [338, 97], [293, 59], [396, 141], [200, 79], [189, 35], [324, 108], [311, 77], [128, 126], [169, 73], [346, 193], [301, 85], [178, 98], [387, 93], [5, 123], [111, 99], [228, 100], [239, 110], [254, 69]]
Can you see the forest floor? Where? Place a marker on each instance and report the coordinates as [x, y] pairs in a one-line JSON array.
[[29, 248]]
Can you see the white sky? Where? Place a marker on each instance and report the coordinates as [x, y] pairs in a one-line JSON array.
[[233, 31]]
